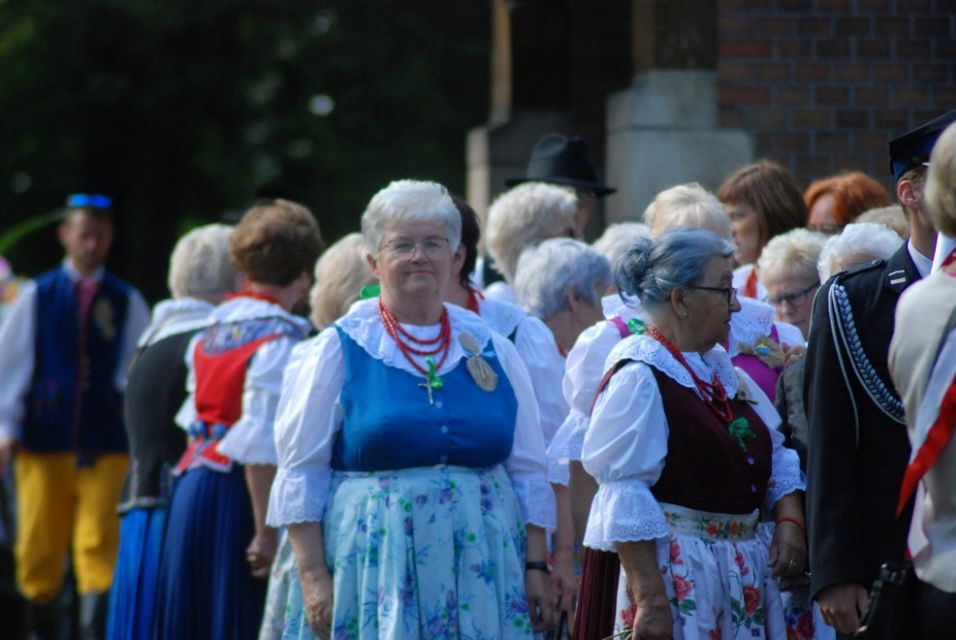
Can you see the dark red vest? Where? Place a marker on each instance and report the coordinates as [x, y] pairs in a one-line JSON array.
[[705, 469]]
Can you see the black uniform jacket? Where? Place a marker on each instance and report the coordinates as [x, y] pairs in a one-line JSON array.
[[858, 447]]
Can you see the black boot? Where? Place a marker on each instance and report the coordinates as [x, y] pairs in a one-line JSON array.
[[93, 609], [50, 620]]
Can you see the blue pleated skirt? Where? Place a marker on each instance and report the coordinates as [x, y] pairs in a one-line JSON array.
[[206, 589], [133, 595]]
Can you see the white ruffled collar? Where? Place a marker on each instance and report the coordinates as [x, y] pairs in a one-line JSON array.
[[174, 316], [748, 326], [503, 317], [246, 308], [646, 349], [614, 306], [363, 325]]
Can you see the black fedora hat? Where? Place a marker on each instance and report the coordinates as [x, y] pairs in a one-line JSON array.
[[562, 160]]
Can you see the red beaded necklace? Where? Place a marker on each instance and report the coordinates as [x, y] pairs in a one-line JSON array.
[[713, 393], [441, 342]]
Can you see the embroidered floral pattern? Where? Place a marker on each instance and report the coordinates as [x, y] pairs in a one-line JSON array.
[[711, 526], [422, 553]]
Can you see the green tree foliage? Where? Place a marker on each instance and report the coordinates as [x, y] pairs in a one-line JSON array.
[[183, 110]]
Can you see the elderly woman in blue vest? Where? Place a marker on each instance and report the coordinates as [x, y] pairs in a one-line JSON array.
[[687, 454], [412, 473], [217, 549]]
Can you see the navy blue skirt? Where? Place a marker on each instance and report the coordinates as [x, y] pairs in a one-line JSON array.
[[133, 595], [206, 588]]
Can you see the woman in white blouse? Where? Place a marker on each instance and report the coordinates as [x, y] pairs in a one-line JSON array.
[[217, 548], [412, 476], [686, 458]]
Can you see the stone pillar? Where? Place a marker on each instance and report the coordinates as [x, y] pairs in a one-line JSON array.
[[663, 129]]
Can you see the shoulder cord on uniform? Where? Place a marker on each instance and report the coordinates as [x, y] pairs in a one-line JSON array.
[[870, 380]]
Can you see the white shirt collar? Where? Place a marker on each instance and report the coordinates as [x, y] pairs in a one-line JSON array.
[[944, 246], [75, 276], [923, 264]]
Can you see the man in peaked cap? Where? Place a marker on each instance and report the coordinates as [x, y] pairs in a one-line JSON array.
[[858, 441], [65, 346], [558, 159]]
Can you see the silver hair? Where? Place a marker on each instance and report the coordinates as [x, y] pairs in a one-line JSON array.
[[405, 201], [858, 243], [651, 270], [522, 216], [797, 251], [548, 271], [617, 239], [199, 264], [687, 205]]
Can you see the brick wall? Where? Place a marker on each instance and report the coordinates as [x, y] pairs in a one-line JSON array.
[[824, 84]]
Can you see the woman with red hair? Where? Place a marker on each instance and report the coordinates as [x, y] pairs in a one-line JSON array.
[[837, 201]]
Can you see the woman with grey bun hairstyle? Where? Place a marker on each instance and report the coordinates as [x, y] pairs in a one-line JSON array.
[[687, 456]]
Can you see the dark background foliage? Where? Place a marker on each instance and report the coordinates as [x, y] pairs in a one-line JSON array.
[[184, 111]]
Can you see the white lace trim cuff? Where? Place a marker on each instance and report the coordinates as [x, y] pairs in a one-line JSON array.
[[785, 477], [624, 511], [558, 473], [250, 442], [298, 495], [536, 499], [569, 439]]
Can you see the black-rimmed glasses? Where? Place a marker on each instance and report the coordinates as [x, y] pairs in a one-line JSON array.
[[793, 298], [730, 292]]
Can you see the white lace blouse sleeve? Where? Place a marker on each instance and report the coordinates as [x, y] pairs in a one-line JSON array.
[[539, 353], [527, 466], [251, 439], [17, 339], [624, 449], [785, 474], [583, 370], [307, 421]]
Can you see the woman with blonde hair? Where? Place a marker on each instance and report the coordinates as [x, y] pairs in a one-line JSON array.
[[340, 275]]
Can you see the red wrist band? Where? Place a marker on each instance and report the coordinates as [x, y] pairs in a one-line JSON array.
[[794, 521]]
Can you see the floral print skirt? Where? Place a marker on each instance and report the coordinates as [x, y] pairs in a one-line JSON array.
[[419, 553], [716, 579]]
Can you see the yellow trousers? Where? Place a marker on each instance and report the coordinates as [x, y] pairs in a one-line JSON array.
[[59, 504]]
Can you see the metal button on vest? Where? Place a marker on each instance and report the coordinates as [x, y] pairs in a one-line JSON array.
[[444, 428], [443, 458], [750, 460], [438, 404], [753, 488]]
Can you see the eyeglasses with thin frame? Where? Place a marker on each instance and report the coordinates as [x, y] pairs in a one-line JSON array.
[[793, 298], [432, 247], [729, 292]]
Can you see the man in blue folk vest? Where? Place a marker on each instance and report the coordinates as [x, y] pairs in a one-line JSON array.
[[65, 346]]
